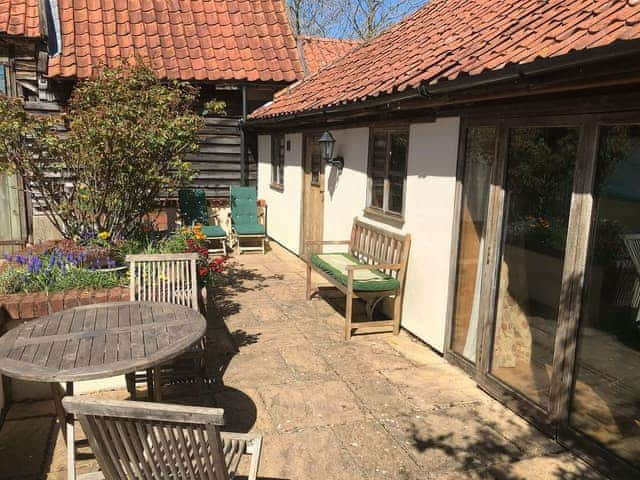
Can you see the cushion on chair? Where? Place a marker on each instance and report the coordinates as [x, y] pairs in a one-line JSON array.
[[363, 280], [193, 206], [249, 228], [213, 231], [243, 206]]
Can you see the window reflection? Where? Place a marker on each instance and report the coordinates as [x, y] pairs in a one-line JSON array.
[[606, 399], [540, 170]]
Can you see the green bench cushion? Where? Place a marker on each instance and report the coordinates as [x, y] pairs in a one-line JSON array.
[[363, 280], [249, 228], [213, 231]]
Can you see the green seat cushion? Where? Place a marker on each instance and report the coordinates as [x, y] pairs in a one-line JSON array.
[[213, 231], [363, 280], [249, 228]]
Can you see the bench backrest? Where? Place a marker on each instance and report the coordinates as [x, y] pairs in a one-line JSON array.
[[371, 244], [164, 277], [152, 440]]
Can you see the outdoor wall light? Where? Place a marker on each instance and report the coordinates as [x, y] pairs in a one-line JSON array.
[[327, 143]]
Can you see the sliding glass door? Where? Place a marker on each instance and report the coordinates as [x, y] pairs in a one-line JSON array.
[[545, 305], [478, 160], [605, 403], [539, 182]]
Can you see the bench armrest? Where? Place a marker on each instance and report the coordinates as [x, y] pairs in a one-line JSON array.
[[375, 266], [327, 242]]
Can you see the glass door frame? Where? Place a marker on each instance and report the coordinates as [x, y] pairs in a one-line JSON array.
[[555, 420], [450, 354], [566, 434]]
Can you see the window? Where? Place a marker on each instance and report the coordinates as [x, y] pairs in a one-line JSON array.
[[277, 161], [387, 170]]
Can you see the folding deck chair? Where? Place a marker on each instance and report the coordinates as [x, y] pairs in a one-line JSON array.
[[244, 218], [194, 209]]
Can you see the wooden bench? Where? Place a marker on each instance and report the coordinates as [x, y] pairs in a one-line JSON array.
[[374, 267]]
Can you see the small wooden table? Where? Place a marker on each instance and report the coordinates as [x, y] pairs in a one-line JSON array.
[[98, 341]]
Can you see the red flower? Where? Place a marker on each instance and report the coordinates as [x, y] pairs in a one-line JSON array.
[[204, 271]]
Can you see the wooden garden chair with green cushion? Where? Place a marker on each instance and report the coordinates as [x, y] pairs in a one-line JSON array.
[[244, 217], [155, 441], [373, 268], [167, 278], [194, 209]]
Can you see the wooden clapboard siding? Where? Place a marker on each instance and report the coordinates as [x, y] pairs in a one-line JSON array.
[[218, 161]]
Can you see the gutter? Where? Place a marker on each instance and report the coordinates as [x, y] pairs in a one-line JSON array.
[[511, 73]]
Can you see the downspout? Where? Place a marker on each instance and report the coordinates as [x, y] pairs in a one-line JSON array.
[[243, 139]]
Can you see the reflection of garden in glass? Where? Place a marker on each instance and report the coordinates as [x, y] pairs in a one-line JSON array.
[[540, 168], [606, 399]]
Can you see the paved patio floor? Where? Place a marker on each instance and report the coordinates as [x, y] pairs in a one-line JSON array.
[[377, 407]]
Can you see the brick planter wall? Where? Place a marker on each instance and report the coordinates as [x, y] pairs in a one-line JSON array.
[[27, 306]]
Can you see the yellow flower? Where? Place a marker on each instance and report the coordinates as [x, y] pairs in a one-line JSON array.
[[104, 235]]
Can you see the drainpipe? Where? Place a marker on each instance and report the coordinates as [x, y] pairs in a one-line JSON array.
[[243, 139]]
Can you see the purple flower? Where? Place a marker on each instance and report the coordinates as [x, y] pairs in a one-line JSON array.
[[110, 263], [52, 260], [21, 259], [8, 257], [35, 265]]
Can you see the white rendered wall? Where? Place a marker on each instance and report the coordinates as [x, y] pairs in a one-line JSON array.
[[283, 208], [429, 205], [428, 215]]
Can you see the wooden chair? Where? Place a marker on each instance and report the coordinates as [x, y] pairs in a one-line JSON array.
[[374, 267], [141, 440], [167, 278], [194, 210], [244, 218]]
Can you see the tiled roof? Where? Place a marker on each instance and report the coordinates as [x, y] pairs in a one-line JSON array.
[[20, 18], [447, 39], [181, 39], [318, 52]]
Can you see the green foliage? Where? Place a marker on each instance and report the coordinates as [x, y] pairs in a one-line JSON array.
[[215, 107], [127, 135], [20, 280]]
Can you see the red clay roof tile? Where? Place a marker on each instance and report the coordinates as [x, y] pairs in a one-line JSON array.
[[447, 39], [318, 52], [186, 39], [20, 18]]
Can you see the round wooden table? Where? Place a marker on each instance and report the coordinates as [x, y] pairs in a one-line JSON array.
[[98, 341]]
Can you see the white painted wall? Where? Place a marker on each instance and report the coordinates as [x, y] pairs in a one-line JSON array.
[[429, 206], [283, 208]]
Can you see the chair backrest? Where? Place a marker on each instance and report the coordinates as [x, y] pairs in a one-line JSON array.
[[371, 244], [152, 440], [244, 208], [164, 277], [193, 206]]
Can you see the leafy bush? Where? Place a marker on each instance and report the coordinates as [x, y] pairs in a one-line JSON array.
[[123, 148]]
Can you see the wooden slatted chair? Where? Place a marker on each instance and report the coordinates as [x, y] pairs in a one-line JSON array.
[[152, 441], [167, 278], [373, 268]]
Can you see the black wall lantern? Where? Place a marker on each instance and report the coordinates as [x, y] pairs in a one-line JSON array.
[[327, 143]]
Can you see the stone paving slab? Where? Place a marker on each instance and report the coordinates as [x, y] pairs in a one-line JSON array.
[[376, 407]]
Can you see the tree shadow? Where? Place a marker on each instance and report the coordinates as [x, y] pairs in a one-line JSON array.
[[490, 454]]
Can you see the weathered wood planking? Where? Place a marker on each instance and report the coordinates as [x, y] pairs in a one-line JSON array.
[[99, 341], [159, 441]]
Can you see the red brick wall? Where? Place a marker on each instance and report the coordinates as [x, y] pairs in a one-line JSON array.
[[22, 306]]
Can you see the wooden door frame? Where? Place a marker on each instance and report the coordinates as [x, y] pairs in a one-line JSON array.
[[306, 134]]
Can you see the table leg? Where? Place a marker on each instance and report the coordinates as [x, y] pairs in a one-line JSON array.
[[71, 440]]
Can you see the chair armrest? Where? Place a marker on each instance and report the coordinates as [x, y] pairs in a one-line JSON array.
[[375, 266]]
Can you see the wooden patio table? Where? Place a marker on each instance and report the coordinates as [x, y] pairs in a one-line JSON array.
[[97, 341]]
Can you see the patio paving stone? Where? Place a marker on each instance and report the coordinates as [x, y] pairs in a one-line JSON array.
[[376, 407]]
